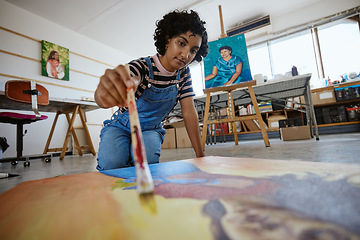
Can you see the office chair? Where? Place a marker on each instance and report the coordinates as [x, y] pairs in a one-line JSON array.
[[27, 92]]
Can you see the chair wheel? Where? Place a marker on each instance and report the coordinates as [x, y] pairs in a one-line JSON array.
[[14, 163], [47, 159], [26, 164]]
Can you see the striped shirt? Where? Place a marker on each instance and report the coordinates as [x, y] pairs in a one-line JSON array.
[[162, 78]]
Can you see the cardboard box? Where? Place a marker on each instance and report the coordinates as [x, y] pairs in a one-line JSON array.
[[322, 97], [170, 139], [295, 133], [182, 138], [273, 121], [326, 96]]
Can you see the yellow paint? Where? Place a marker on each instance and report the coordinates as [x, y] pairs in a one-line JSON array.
[[179, 218], [147, 201], [122, 184]]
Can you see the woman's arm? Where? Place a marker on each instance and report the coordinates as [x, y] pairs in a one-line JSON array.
[[111, 90], [235, 75], [48, 68], [213, 74], [60, 71], [191, 120]]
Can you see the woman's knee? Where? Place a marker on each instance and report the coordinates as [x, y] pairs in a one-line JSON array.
[[114, 149], [153, 141]]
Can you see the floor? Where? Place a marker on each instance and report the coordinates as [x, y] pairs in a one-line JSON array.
[[339, 148]]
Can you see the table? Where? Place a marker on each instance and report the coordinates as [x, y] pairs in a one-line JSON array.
[[60, 106], [202, 198], [55, 104]]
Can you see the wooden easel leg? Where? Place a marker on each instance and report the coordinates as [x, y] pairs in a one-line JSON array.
[[76, 141], [70, 128], [206, 116], [258, 116], [232, 116], [87, 133], [243, 126], [46, 149]]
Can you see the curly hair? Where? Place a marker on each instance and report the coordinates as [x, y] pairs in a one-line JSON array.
[[225, 47], [176, 23]]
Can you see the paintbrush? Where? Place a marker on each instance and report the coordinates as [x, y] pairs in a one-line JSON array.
[[6, 175], [145, 183]]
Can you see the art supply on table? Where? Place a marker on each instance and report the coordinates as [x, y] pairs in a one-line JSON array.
[[294, 71], [145, 183]]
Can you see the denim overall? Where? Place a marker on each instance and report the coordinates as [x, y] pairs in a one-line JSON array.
[[153, 105]]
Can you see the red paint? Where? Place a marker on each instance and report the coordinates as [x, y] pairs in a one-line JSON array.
[[139, 153], [194, 191], [131, 107]]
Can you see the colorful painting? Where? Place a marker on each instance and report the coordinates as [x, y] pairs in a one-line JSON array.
[[227, 62], [205, 198], [54, 61]]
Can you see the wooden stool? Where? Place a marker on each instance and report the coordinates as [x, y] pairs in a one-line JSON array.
[[232, 119], [75, 110]]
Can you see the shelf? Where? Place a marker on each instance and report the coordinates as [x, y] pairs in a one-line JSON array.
[[346, 84], [338, 124], [338, 103], [280, 111]]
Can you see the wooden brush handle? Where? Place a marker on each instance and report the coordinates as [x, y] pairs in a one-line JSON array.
[[145, 183]]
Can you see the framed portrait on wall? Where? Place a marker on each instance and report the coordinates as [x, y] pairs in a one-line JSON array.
[[54, 61], [227, 62]]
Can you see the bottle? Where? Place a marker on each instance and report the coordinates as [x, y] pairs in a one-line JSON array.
[[294, 71], [329, 83]]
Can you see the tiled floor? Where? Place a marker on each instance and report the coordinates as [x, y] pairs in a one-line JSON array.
[[340, 148]]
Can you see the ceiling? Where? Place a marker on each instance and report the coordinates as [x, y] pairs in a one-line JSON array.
[[121, 24]]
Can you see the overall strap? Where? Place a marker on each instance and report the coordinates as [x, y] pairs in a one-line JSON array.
[[151, 73], [178, 75]]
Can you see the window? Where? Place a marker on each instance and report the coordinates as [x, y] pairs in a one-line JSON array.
[[197, 78], [259, 60], [340, 48], [294, 50]]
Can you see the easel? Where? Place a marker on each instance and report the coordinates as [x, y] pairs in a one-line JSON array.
[[232, 119], [75, 110]]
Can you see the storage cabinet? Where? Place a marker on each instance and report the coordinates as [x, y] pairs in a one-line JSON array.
[[342, 109]]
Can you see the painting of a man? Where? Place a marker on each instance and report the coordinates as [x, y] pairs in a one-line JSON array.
[[231, 66]]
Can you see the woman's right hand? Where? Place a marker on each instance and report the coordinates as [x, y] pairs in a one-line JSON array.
[[112, 88]]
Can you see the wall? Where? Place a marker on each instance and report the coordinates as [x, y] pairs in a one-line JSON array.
[[82, 82], [313, 12], [304, 16]]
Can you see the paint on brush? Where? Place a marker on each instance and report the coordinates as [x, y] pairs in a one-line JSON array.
[[147, 201], [144, 179], [139, 146]]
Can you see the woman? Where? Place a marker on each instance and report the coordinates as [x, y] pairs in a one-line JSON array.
[[227, 69], [159, 82], [53, 66]]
